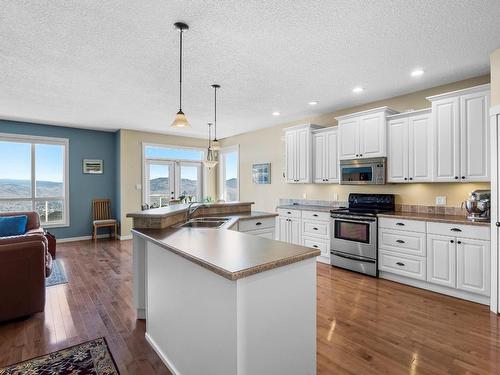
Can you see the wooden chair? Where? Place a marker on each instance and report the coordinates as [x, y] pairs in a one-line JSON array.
[[101, 213]]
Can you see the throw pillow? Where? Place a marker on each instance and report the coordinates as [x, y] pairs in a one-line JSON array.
[[13, 225]]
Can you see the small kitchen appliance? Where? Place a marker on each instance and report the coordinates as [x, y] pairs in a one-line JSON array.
[[355, 230], [478, 205], [363, 171]]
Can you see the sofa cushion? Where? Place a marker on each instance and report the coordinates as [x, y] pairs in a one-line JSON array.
[[13, 225]]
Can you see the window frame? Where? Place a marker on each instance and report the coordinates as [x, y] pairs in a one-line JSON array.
[[176, 168], [33, 141], [222, 171]]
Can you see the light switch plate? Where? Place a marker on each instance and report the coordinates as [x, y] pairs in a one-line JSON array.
[[138, 187], [440, 200], [304, 195]]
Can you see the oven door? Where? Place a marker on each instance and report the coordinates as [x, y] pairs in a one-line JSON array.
[[357, 237]]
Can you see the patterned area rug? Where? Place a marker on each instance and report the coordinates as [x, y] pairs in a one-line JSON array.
[[58, 275], [90, 358]]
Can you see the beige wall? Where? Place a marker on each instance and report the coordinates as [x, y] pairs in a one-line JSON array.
[[267, 146], [131, 169], [495, 78]]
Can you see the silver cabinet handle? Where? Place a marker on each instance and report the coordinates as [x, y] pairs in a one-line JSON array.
[[400, 264]]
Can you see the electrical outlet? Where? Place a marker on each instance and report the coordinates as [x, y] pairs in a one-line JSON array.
[[304, 195], [440, 201], [138, 187]]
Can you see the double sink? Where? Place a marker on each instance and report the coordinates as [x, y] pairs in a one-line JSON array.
[[204, 222]]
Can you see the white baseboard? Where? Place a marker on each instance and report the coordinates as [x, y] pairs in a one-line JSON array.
[[124, 238], [323, 259], [162, 355], [81, 238]]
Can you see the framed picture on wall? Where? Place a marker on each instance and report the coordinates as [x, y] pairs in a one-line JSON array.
[[261, 173], [93, 166]]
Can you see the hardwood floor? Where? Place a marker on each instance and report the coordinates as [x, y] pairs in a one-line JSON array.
[[365, 325]]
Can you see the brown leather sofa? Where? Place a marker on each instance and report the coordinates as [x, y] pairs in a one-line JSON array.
[[24, 264]]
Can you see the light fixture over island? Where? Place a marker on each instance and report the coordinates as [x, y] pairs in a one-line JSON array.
[[220, 301]]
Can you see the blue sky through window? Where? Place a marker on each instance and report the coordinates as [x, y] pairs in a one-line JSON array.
[[17, 161], [231, 165], [173, 153]]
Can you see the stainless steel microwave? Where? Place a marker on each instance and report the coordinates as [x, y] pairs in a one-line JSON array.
[[363, 171]]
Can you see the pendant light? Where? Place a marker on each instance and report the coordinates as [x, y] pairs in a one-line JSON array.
[[210, 160], [215, 143], [180, 120]]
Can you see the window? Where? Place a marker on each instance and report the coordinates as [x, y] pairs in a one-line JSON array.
[[35, 177], [229, 184], [172, 173]]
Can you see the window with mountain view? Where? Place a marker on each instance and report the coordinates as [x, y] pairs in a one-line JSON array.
[[229, 174], [34, 178], [171, 173]]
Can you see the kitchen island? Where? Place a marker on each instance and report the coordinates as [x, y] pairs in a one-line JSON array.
[[217, 301]]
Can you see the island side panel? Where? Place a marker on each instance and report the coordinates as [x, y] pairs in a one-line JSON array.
[[139, 275], [191, 315], [277, 321]]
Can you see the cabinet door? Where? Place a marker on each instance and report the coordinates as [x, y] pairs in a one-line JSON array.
[[294, 230], [372, 135], [441, 260], [303, 156], [473, 266], [397, 152], [420, 148], [332, 157], [475, 137], [282, 229], [319, 152], [349, 139], [446, 135], [290, 156]]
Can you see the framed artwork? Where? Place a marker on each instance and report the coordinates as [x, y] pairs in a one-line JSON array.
[[93, 166], [261, 173]]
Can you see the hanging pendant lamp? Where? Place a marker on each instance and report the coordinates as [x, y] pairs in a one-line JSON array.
[[210, 160], [180, 120], [215, 142]]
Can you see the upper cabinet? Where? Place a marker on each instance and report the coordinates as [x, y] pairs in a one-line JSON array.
[[325, 156], [461, 135], [409, 153], [363, 134], [298, 153]]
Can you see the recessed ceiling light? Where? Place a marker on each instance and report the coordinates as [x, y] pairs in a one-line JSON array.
[[313, 102], [276, 113], [357, 90], [417, 73]]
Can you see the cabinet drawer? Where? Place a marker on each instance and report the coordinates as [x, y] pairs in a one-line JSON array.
[[315, 215], [289, 213], [315, 228], [402, 224], [265, 232], [404, 265], [253, 224], [413, 243], [459, 230], [323, 245]]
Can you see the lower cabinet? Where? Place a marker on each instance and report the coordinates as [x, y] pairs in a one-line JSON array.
[[288, 230], [258, 227], [446, 258]]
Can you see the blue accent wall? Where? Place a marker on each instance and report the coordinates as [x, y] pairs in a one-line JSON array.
[[83, 144]]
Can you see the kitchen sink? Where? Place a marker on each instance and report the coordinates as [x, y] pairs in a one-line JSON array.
[[204, 222]]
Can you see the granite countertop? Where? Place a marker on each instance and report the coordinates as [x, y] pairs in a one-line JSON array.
[[233, 255], [305, 207], [456, 219], [179, 208], [249, 215]]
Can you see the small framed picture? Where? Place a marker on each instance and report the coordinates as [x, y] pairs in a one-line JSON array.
[[93, 166], [261, 173]]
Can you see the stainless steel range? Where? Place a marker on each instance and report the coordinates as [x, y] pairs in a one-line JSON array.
[[354, 240]]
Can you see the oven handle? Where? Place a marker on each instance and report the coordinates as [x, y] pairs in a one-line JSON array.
[[353, 257], [364, 221]]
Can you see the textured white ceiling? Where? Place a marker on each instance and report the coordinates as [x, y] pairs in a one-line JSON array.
[[114, 64]]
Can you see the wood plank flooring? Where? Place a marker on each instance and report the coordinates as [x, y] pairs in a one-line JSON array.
[[365, 325]]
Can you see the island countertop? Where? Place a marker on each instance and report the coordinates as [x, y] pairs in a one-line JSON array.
[[182, 208], [233, 255]]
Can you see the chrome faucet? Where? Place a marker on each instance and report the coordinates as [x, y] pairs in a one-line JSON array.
[[191, 210]]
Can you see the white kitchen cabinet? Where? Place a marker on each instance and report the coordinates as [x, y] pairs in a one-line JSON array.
[[288, 230], [363, 134], [473, 266], [409, 156], [298, 153], [325, 160], [495, 207], [441, 260], [461, 135]]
